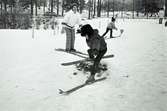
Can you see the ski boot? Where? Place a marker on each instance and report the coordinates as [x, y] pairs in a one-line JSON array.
[[90, 79]]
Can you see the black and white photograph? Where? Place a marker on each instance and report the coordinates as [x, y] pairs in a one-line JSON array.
[[83, 55]]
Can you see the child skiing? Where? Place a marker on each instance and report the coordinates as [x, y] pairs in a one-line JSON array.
[[110, 27], [97, 45]]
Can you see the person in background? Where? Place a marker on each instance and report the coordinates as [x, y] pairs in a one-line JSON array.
[[71, 19], [161, 15], [110, 27]]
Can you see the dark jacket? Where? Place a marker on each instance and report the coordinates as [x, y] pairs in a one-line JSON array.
[[95, 41]]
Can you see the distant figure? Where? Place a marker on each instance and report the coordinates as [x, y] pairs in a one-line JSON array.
[[97, 47], [71, 19], [161, 15], [110, 27]]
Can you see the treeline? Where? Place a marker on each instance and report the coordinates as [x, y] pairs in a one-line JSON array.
[[19, 13], [94, 6]]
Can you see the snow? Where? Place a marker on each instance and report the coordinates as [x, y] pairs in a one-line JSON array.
[[31, 71]]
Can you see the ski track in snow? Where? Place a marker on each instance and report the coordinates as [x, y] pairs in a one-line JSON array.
[[31, 73]]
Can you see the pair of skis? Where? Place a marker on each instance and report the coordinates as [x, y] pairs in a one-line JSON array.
[[80, 54], [76, 53], [85, 58], [80, 86]]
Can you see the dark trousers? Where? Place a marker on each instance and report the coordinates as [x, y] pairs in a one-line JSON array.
[[96, 59], [160, 20], [107, 32], [166, 24]]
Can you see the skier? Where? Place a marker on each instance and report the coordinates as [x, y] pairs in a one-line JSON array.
[[71, 19], [110, 28], [97, 45]]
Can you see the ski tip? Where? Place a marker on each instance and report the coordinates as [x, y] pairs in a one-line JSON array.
[[63, 64], [61, 91], [112, 55]]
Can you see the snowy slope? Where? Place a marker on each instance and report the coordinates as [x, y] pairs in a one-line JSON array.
[[31, 74]]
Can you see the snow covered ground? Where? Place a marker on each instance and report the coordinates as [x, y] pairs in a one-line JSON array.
[[31, 74]]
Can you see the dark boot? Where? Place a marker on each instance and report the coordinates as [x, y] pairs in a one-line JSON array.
[[91, 56], [90, 79], [72, 50], [166, 24]]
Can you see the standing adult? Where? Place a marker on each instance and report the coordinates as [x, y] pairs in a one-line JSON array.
[[71, 20], [161, 15]]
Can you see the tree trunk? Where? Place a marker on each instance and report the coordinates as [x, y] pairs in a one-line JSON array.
[[57, 7], [99, 8], [165, 8], [108, 10], [89, 9], [51, 6], [5, 20], [80, 6], [62, 13], [36, 8], [133, 9], [11, 8], [147, 9], [32, 8], [122, 9], [5, 7], [113, 7], [94, 8], [1, 8], [44, 7]]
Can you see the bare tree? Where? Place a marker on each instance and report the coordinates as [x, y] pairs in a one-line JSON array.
[[99, 8], [62, 13], [89, 6], [165, 8], [32, 7], [36, 7], [44, 5], [113, 7], [94, 11], [51, 4], [133, 9], [57, 7], [1, 7], [108, 8]]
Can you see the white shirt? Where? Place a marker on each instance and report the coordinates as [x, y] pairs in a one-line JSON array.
[[72, 18], [161, 13]]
